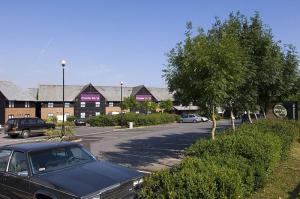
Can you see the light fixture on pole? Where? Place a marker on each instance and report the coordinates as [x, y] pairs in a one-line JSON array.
[[121, 104], [63, 64]]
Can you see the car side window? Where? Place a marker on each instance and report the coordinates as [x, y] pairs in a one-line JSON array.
[[18, 163], [4, 158], [40, 121]]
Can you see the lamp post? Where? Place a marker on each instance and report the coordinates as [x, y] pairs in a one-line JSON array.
[[63, 64], [121, 83]]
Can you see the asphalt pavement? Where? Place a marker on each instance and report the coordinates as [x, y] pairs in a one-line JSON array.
[[145, 149], [148, 148]]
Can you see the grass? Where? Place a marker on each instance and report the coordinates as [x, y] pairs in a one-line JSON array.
[[285, 181]]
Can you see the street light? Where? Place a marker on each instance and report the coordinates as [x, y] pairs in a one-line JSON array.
[[121, 83], [63, 64]]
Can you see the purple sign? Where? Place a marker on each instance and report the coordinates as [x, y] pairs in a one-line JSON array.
[[90, 97], [143, 97]]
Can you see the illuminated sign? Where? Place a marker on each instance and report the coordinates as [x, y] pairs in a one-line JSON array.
[[143, 97], [90, 97]]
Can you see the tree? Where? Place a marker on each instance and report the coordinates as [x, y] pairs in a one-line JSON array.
[[166, 105], [147, 106], [129, 103], [206, 68]]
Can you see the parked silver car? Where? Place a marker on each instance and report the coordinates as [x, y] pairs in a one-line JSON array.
[[193, 118]]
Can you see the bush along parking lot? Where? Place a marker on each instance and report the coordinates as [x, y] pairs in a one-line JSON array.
[[234, 165], [137, 119]]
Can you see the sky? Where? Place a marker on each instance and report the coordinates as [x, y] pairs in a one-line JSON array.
[[105, 42]]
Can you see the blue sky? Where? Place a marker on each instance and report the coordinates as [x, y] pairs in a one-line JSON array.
[[106, 42]]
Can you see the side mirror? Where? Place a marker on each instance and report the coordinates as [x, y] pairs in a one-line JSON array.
[[23, 173]]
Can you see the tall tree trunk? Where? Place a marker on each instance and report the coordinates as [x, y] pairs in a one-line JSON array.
[[249, 117], [214, 124], [265, 115], [232, 120], [255, 116]]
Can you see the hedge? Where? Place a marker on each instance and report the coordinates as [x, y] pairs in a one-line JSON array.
[[234, 165], [137, 119]]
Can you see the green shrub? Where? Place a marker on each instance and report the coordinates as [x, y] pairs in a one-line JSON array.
[[194, 178], [234, 165], [137, 119], [71, 118], [52, 133]]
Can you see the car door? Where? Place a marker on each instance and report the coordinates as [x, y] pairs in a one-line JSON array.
[[4, 158], [191, 118], [17, 177], [41, 125]]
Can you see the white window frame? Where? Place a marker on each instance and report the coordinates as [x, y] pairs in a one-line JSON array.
[[50, 104], [97, 104], [82, 104], [97, 113], [50, 114], [67, 104], [27, 105], [111, 104], [11, 104], [82, 115]]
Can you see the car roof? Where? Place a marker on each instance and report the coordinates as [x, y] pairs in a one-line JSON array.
[[38, 146]]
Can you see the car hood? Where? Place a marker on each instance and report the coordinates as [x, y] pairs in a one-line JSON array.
[[89, 178]]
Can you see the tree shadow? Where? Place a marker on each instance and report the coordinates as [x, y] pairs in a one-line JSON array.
[[155, 150], [295, 193]]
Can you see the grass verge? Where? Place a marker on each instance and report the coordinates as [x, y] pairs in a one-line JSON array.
[[285, 181]]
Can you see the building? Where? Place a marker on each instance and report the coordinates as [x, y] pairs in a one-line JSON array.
[[16, 102], [81, 101]]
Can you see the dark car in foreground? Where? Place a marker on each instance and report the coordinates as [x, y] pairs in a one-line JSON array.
[[26, 127], [62, 170]]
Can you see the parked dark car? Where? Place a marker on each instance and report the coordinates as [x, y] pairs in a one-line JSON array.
[[26, 127], [80, 122], [62, 170]]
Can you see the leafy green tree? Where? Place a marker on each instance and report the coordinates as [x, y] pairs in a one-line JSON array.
[[206, 68], [166, 105], [129, 103], [148, 106]]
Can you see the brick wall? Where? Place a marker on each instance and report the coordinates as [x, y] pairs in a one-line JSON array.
[[112, 109], [19, 112], [55, 112]]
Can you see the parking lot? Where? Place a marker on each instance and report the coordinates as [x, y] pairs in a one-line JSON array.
[[146, 149]]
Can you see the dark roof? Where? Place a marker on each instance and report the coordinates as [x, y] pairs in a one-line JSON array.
[[38, 146]]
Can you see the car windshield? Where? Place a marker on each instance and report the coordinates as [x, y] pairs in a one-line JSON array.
[[58, 158]]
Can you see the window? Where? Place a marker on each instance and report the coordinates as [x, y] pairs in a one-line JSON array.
[[97, 104], [10, 116], [4, 157], [40, 122], [27, 104], [97, 113], [27, 115], [18, 163], [67, 105], [111, 104], [50, 104], [82, 104], [50, 114], [11, 104], [58, 158], [82, 115]]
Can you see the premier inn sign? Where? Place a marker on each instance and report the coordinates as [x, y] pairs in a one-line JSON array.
[[143, 97], [90, 97], [280, 111]]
